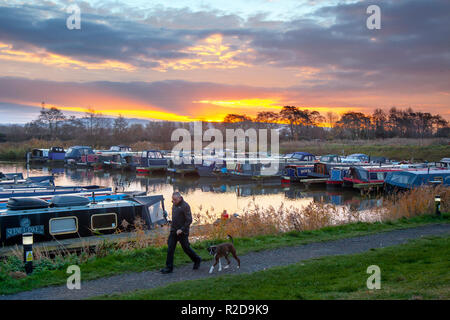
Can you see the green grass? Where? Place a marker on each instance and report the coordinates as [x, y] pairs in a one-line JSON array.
[[151, 258], [417, 270]]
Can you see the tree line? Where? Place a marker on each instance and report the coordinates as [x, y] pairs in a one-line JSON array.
[[307, 124], [293, 123]]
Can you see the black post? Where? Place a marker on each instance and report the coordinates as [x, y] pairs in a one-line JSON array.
[[27, 242], [437, 200]]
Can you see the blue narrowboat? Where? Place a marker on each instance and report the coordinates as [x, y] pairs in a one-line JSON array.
[[296, 172], [337, 176], [404, 180], [298, 165], [56, 154]]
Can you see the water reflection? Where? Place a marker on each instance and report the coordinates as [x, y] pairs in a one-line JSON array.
[[210, 194]]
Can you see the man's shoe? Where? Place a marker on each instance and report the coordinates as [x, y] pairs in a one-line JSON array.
[[197, 264], [166, 270]]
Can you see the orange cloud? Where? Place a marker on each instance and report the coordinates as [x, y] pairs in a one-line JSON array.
[[212, 52]]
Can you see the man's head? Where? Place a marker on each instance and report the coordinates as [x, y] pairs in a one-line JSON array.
[[176, 198]]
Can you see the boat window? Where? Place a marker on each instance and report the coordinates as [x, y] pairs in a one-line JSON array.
[[374, 176], [104, 221], [63, 225], [402, 179]]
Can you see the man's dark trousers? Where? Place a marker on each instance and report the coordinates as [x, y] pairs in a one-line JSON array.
[[172, 243]]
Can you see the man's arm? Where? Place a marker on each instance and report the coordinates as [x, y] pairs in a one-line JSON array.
[[187, 218]]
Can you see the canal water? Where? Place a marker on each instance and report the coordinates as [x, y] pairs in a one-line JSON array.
[[207, 196]]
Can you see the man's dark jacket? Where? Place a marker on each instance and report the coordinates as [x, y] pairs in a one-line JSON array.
[[181, 217]]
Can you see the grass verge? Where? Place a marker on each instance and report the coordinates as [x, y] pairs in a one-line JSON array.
[[399, 149], [416, 270], [151, 258]]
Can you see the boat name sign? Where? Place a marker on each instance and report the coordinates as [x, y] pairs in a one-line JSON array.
[[25, 227]]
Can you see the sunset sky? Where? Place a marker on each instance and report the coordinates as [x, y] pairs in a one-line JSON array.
[[191, 60]]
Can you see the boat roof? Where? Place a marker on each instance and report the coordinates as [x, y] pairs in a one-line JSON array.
[[303, 153], [423, 172], [97, 205], [80, 147], [357, 154]]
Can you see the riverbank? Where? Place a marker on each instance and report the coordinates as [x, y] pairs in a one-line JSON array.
[[397, 148], [432, 149], [416, 270], [109, 261]]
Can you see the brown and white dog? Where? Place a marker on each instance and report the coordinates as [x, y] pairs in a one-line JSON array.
[[222, 251]]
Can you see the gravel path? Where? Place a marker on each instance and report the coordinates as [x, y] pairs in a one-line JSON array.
[[250, 262]]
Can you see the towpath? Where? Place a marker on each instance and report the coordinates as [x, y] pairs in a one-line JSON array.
[[251, 262]]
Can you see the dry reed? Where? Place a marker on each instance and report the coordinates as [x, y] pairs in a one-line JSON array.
[[256, 221]]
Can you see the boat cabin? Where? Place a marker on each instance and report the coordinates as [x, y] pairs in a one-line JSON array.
[[56, 154], [39, 155], [150, 160], [75, 153], [331, 158]]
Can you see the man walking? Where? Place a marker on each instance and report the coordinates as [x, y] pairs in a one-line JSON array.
[[179, 231]]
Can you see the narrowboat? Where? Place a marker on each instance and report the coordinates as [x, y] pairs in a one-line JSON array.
[[210, 169], [149, 161], [296, 172], [38, 156], [367, 177], [405, 180], [356, 158], [330, 158], [337, 175], [65, 217], [56, 154], [252, 171], [323, 169]]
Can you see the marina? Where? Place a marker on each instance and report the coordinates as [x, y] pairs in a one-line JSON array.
[[68, 200]]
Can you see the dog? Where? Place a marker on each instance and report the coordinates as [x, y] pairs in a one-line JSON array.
[[223, 250]]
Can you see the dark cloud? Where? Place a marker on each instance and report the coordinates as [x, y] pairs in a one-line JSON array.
[[409, 55], [412, 42]]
